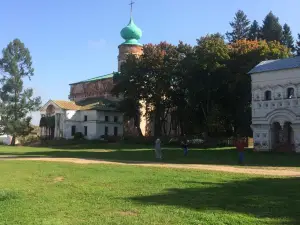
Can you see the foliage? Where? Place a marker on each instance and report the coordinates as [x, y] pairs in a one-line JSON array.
[[297, 48], [78, 136], [287, 38], [254, 31], [130, 86], [240, 27], [15, 101], [271, 29]]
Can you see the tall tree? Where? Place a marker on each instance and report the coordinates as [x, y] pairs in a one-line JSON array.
[[129, 85], [212, 54], [240, 27], [297, 48], [271, 29], [15, 101], [287, 38], [254, 31]]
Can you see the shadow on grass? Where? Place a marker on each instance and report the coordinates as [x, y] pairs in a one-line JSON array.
[[196, 156], [260, 197]]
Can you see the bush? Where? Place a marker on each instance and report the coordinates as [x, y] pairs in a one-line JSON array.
[[78, 136], [110, 139]]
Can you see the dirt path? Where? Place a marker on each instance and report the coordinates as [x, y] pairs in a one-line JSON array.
[[271, 171]]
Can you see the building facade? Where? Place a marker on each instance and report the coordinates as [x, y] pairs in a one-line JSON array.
[[276, 105], [92, 120]]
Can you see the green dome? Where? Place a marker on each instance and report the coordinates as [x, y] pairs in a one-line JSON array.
[[131, 34]]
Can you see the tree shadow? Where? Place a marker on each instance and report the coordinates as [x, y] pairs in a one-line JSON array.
[[175, 156], [259, 197]]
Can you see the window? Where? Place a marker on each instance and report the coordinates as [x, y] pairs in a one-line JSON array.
[[290, 93], [106, 118], [115, 131], [106, 131], [268, 95], [85, 130], [115, 119], [73, 130], [85, 118]]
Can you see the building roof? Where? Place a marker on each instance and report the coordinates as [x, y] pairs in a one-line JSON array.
[[278, 64], [68, 105], [94, 104], [102, 77]]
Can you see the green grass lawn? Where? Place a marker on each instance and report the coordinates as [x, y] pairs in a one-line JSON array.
[[118, 152], [64, 193]]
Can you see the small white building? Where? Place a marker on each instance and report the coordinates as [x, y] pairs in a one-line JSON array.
[[276, 105], [92, 120]]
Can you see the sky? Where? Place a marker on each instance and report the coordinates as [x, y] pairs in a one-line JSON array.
[[70, 41]]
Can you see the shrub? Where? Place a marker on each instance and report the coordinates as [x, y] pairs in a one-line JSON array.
[[78, 136]]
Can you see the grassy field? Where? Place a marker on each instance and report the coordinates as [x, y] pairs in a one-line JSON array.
[[117, 152], [61, 193], [52, 193]]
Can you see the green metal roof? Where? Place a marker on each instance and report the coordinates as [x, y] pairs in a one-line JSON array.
[[131, 33], [102, 77]]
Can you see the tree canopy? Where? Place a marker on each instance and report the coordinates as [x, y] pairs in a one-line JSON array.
[[205, 88], [271, 28], [16, 101], [240, 27], [287, 38]]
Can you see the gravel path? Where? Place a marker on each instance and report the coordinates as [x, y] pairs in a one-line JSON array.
[[271, 171]]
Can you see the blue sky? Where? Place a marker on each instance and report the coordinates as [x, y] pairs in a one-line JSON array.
[[74, 40]]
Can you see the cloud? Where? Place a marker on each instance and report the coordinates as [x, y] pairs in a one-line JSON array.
[[96, 44]]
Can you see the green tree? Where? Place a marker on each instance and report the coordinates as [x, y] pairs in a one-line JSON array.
[[297, 48], [15, 101], [129, 85], [159, 63], [271, 29], [212, 54], [254, 31], [287, 38], [240, 27]]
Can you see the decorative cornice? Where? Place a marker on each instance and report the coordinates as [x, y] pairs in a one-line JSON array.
[[272, 87]]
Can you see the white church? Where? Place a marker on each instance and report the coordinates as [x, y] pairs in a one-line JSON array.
[[276, 105]]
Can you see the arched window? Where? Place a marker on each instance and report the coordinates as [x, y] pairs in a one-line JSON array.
[[290, 92], [268, 95]]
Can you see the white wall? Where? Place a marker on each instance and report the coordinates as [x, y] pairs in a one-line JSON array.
[[277, 82], [280, 108], [95, 123]]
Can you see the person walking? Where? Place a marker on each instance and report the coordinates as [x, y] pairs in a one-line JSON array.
[[158, 153], [185, 145], [240, 145]]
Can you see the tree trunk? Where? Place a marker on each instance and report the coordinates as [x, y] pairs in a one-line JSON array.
[[13, 141], [137, 124], [157, 122]]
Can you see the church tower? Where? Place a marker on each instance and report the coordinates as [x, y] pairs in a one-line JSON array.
[[131, 34]]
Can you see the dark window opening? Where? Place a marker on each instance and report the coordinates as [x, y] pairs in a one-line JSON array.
[[115, 119], [73, 130], [290, 93], [268, 95], [106, 118], [85, 118], [85, 130], [115, 131], [106, 131]]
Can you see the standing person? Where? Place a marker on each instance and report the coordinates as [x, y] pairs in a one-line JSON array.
[[240, 145], [158, 153], [185, 145]]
